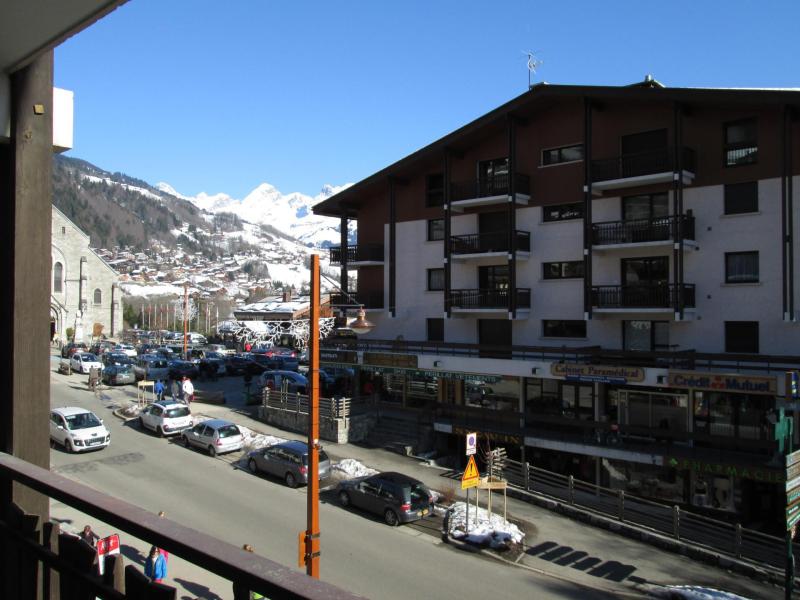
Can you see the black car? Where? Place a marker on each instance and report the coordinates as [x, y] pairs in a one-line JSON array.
[[69, 349], [277, 358], [116, 358], [396, 497], [212, 364], [242, 364], [179, 369]]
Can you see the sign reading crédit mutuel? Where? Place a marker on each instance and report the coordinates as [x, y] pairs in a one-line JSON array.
[[597, 373], [720, 382]]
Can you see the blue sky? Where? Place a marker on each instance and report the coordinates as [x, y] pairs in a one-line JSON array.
[[214, 96]]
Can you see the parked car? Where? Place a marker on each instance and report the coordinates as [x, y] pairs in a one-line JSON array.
[[240, 364], [151, 367], [83, 362], [178, 369], [216, 436], [72, 347], [287, 460], [116, 358], [212, 364], [284, 380], [216, 348], [166, 417], [277, 358], [126, 349], [118, 374], [77, 429], [396, 497]]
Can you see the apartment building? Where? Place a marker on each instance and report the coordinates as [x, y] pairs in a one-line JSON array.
[[601, 279]]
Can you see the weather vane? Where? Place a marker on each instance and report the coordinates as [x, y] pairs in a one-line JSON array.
[[533, 64]]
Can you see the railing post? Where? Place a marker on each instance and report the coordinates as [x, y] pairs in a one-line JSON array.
[[526, 476], [676, 522], [571, 489], [621, 505], [738, 540]]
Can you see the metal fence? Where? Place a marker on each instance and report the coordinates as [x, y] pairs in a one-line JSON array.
[[667, 519]]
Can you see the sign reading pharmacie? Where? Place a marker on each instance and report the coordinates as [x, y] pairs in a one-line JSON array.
[[597, 373], [753, 472], [721, 382]]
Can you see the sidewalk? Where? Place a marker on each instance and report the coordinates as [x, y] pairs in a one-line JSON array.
[[554, 545]]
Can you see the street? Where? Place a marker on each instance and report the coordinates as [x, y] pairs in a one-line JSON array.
[[359, 553]]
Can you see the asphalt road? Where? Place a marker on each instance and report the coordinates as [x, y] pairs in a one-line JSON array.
[[359, 553]]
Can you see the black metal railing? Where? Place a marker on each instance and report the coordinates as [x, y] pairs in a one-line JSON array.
[[643, 163], [654, 295], [496, 241], [643, 230], [488, 298], [485, 187], [357, 253], [367, 299]]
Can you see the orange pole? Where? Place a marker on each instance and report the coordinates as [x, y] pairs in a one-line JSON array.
[[185, 316], [312, 497]]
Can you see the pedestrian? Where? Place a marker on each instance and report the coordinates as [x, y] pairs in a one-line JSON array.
[[188, 390], [89, 536], [248, 346], [242, 593], [177, 390], [155, 566], [159, 390]]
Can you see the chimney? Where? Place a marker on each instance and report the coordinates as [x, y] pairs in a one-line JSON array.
[[287, 294]]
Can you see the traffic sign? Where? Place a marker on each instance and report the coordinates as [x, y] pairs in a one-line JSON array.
[[472, 443], [471, 477]]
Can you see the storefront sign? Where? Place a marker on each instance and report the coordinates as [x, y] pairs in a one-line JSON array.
[[419, 373], [597, 373], [764, 474], [348, 357], [792, 489], [379, 359], [491, 435], [719, 382]]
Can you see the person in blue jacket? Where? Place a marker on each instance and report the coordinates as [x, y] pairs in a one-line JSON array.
[[155, 567], [159, 390]]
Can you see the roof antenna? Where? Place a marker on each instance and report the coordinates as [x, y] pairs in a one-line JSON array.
[[533, 64]]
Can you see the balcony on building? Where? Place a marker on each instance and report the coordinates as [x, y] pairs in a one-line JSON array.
[[643, 298], [489, 301], [656, 231], [489, 245], [487, 191], [642, 168], [359, 255], [369, 300]]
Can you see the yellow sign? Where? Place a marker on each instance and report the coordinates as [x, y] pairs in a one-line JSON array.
[[471, 477]]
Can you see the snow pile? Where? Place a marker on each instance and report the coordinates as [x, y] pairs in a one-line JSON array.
[[254, 440], [494, 531], [694, 592], [131, 411], [350, 468]]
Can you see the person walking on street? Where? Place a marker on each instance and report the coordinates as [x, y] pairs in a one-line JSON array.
[[176, 390], [188, 390], [155, 567], [159, 390]]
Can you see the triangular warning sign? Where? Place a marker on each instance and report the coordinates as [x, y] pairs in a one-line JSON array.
[[471, 475]]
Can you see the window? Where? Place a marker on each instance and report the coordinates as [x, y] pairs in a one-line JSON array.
[[741, 143], [58, 278], [562, 270], [435, 230], [645, 336], [435, 280], [435, 328], [63, 231], [554, 156], [434, 190], [649, 206], [562, 212], [98, 296], [741, 267], [741, 336], [563, 328], [741, 198]]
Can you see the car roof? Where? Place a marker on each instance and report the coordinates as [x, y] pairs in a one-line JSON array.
[[217, 423], [172, 405], [295, 445], [66, 411]]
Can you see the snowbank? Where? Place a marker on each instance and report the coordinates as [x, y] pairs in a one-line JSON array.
[[350, 468], [494, 531]]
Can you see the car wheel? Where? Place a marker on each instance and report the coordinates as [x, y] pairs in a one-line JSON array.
[[141, 423], [344, 498], [290, 480], [160, 431], [68, 446], [212, 452], [251, 464], [390, 517], [186, 441]]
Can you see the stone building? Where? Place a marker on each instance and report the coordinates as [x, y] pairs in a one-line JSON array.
[[84, 289]]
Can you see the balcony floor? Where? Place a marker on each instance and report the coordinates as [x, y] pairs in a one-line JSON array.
[[522, 313], [489, 256], [688, 245], [598, 187], [460, 205], [627, 312]]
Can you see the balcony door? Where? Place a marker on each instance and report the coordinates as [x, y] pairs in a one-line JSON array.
[[644, 153], [651, 270], [492, 227], [644, 142], [493, 177], [494, 277], [648, 206]]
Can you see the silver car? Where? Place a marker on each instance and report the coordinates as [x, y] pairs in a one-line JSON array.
[[287, 460], [216, 436]]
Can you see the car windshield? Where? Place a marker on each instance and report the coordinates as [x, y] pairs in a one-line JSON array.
[[228, 431], [323, 456], [420, 494], [178, 411], [82, 421], [89, 357], [123, 368]]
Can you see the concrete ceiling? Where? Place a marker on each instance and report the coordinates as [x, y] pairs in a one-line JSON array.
[[29, 27]]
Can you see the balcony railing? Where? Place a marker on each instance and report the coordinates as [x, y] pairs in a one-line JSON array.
[[644, 163], [481, 243], [499, 185], [642, 230], [372, 300], [655, 295], [488, 298], [357, 253]]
